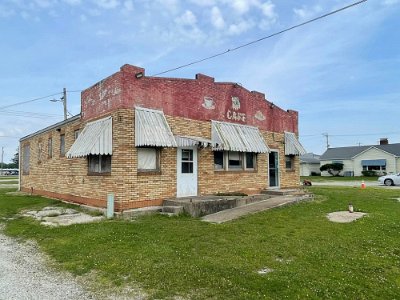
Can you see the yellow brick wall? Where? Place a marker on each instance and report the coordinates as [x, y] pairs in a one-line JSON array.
[[68, 179]]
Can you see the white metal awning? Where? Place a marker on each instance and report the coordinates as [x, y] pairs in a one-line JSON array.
[[236, 137], [192, 141], [95, 138], [152, 129], [292, 145]]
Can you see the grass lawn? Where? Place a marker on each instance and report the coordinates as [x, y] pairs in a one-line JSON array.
[[9, 182], [311, 257], [8, 178], [338, 178]]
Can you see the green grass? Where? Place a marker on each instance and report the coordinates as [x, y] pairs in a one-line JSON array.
[[312, 258], [8, 178], [9, 182], [337, 178]]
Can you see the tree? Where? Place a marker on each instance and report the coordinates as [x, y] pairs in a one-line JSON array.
[[333, 169], [15, 161]]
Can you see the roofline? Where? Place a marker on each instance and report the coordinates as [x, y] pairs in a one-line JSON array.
[[374, 148], [74, 118]]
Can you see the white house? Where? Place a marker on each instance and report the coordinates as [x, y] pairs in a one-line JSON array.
[[309, 164], [383, 158]]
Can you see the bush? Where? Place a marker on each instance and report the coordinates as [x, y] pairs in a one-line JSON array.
[[369, 173], [315, 173]]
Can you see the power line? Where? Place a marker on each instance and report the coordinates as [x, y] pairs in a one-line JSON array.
[[28, 101], [37, 99], [263, 38]]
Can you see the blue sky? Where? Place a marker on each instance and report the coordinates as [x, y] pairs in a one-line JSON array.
[[341, 73]]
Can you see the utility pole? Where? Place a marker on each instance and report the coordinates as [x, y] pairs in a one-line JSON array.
[[64, 101], [326, 135]]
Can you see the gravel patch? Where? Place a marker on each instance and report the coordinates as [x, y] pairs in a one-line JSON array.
[[24, 275]]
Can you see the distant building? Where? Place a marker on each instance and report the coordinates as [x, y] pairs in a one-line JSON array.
[[309, 164], [383, 158], [146, 139]]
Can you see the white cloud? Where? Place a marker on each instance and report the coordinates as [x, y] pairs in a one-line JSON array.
[[217, 20], [238, 28], [186, 19], [107, 4], [268, 9], [307, 12], [241, 6]]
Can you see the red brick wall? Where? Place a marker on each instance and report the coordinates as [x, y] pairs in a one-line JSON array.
[[186, 98]]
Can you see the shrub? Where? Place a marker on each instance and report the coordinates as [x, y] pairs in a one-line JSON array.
[[369, 173], [315, 173]]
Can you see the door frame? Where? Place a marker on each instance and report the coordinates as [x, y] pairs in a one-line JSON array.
[[277, 170], [179, 170]]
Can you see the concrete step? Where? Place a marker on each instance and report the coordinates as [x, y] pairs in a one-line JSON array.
[[131, 213], [172, 209], [283, 192]]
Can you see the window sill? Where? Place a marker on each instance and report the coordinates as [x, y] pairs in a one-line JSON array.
[[99, 174], [235, 171], [290, 170], [148, 173]]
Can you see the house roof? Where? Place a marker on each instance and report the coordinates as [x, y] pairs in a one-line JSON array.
[[310, 158], [350, 152]]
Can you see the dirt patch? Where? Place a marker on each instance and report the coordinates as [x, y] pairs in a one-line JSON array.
[[345, 216]]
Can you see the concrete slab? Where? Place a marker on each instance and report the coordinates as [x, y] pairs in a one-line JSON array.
[[237, 212], [345, 216], [59, 216]]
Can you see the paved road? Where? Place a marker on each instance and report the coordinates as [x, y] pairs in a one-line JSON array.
[[353, 184], [24, 275]]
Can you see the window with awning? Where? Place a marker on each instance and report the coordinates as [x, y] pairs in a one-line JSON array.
[[373, 162], [95, 139], [152, 129], [292, 145], [236, 137]]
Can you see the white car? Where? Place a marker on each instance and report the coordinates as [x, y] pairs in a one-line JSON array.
[[388, 180]]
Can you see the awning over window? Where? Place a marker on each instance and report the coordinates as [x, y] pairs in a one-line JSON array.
[[373, 162], [95, 138], [152, 129], [192, 141], [292, 145], [235, 137]]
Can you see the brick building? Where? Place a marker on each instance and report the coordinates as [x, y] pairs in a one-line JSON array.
[[150, 138]]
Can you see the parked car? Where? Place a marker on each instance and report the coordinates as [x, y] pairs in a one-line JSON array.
[[388, 180]]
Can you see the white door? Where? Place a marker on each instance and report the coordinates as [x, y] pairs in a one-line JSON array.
[[186, 172]]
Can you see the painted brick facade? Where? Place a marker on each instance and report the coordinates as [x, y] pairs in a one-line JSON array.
[[188, 105]]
